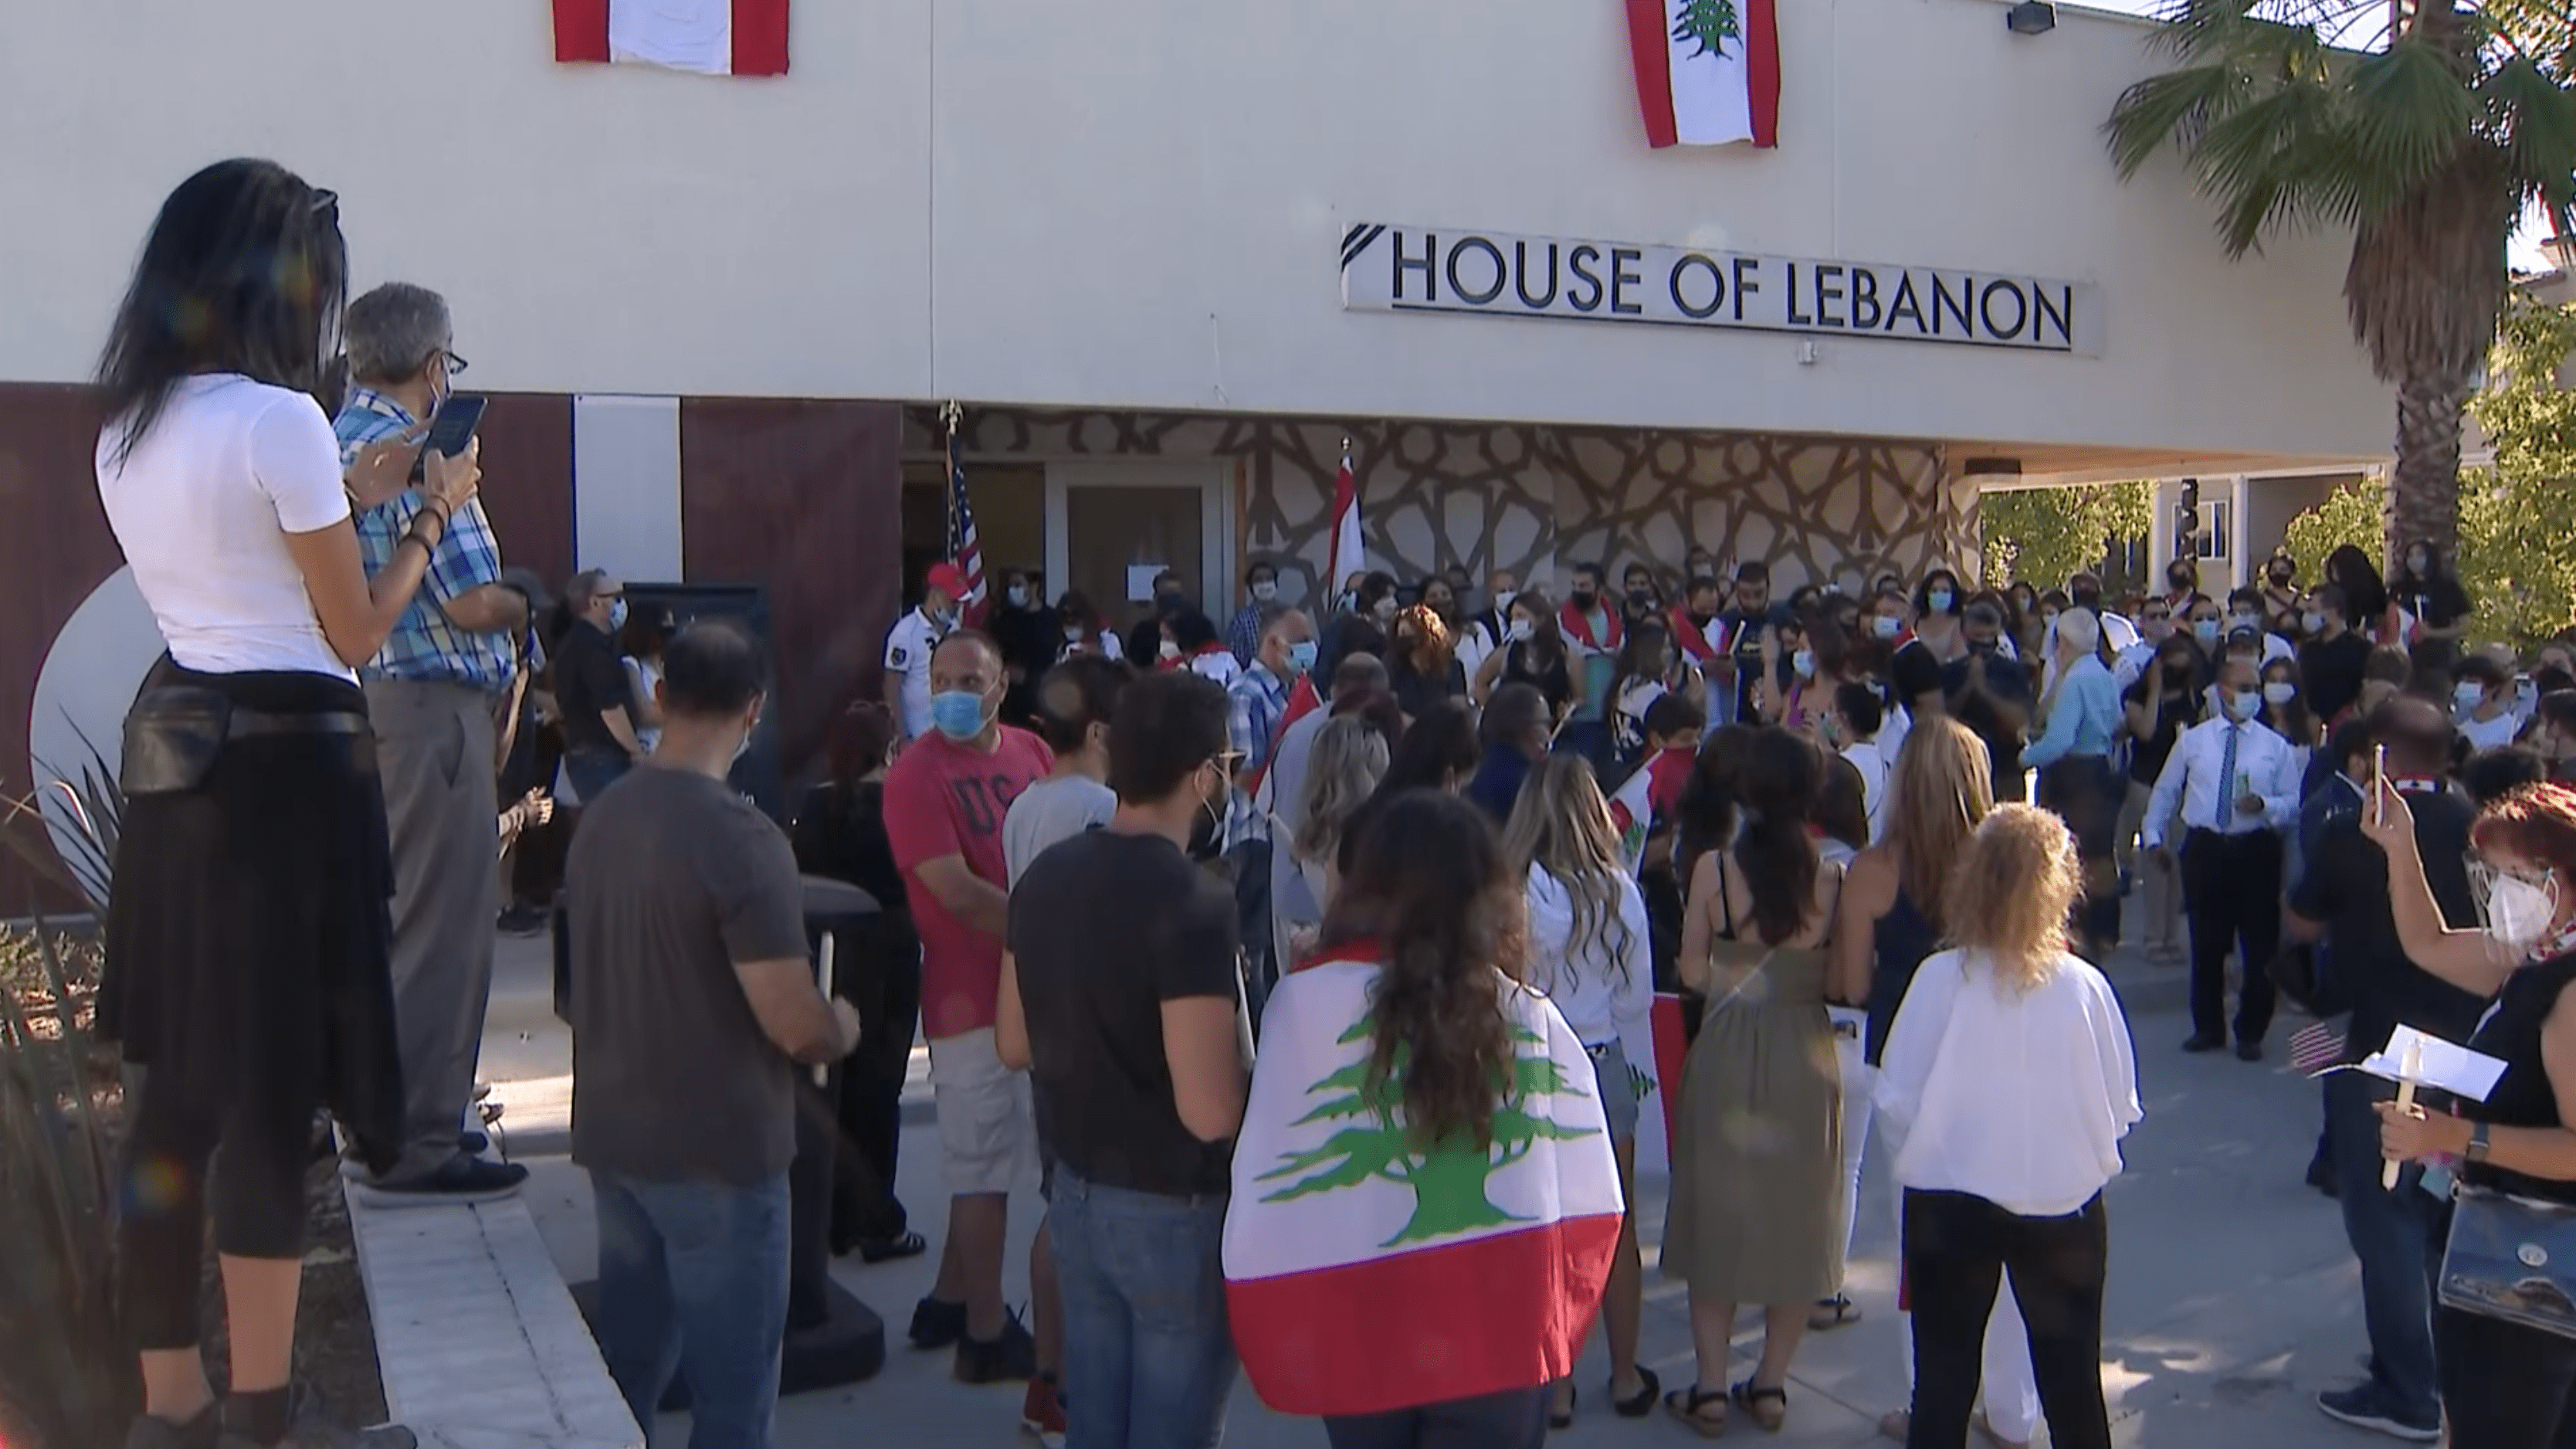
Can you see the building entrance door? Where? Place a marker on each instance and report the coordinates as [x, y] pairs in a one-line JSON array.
[[1112, 527]]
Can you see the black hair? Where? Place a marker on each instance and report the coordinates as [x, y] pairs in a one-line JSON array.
[[2352, 737], [1192, 630], [1259, 567], [1362, 636], [1375, 586], [1783, 773], [244, 271], [1516, 712], [2490, 775], [1753, 571], [2480, 668], [1075, 695], [1707, 812], [1702, 584], [1166, 726], [1592, 568], [1440, 742], [1672, 714], [2246, 594], [1860, 706], [712, 669], [1923, 593], [2549, 679]]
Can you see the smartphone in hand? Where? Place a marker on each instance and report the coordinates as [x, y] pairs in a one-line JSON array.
[[451, 428]]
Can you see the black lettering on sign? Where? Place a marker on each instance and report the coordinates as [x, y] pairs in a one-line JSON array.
[[1826, 296], [1621, 279], [1717, 285], [1943, 303], [1579, 263], [1521, 277], [1796, 317], [1905, 304], [1865, 310], [2059, 318], [2020, 314], [1746, 269], [1404, 264], [1493, 258]]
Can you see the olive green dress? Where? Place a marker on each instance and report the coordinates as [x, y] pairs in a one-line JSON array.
[[1756, 1212]]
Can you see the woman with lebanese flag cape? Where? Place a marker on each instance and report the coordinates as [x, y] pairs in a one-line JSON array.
[[1425, 1196]]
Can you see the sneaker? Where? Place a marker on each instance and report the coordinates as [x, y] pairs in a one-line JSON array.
[[2360, 1407], [309, 1426], [523, 921], [466, 1180], [936, 1324], [1042, 1412], [2249, 1051], [473, 1144], [1010, 1357]]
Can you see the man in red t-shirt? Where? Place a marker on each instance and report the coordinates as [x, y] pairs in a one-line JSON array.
[[945, 799]]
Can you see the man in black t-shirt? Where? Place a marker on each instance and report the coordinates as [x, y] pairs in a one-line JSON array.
[[1122, 995], [1746, 623], [1990, 694], [2343, 898], [592, 689], [2333, 658]]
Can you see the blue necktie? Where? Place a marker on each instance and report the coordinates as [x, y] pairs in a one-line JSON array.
[[2227, 781]]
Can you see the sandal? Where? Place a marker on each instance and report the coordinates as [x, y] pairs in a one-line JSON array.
[[1688, 1405], [1649, 1389], [1769, 1407], [1832, 1313], [886, 1250], [1564, 1420]]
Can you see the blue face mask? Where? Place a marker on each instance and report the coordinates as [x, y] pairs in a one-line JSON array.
[[958, 714], [2205, 630], [1301, 657], [617, 614], [2244, 704], [1938, 601]]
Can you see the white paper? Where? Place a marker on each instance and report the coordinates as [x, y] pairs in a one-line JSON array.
[[2453, 1068], [1140, 582]]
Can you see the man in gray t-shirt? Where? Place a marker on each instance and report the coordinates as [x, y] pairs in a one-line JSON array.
[[692, 998], [1075, 700]]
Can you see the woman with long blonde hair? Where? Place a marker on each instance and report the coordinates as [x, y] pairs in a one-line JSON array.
[[1591, 952], [1349, 759], [2007, 1083], [1892, 913]]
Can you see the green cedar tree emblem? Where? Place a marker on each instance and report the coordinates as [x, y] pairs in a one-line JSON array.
[[1448, 1181], [1709, 23]]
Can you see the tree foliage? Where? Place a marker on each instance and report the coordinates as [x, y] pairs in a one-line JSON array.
[[2517, 550], [2042, 535]]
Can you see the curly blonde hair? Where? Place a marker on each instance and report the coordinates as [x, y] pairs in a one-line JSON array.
[[2009, 898], [1434, 645]]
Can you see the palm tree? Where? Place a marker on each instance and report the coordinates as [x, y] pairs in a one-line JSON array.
[[2428, 130]]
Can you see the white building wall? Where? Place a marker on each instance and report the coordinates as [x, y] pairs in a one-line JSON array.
[[1137, 203]]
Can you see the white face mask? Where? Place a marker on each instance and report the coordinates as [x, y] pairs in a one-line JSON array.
[[1519, 631], [2519, 911], [2280, 691], [1503, 599], [1073, 633], [1264, 590], [2469, 695], [1019, 596], [1170, 650]]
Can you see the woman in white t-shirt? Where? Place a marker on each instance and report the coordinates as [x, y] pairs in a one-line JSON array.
[[1590, 953], [248, 932], [2008, 1081]]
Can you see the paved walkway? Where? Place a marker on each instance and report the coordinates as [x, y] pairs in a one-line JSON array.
[[2233, 1299]]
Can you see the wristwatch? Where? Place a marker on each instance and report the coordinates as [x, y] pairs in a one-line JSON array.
[[2477, 1143]]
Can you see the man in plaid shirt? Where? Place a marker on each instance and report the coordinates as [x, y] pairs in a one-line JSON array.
[[1255, 704], [431, 694]]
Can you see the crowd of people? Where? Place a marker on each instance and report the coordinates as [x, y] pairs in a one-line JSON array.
[[1275, 953]]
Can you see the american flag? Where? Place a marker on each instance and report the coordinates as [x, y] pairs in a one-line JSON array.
[[964, 549], [2316, 1047]]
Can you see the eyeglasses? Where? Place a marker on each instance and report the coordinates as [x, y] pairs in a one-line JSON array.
[[455, 364]]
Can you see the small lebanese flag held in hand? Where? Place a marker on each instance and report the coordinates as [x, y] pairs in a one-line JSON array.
[[1708, 71], [710, 37], [1366, 1273]]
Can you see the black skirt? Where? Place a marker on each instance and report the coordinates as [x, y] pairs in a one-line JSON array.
[[250, 926]]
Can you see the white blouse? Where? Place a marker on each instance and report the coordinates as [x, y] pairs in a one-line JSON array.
[[1598, 987], [2020, 1098]]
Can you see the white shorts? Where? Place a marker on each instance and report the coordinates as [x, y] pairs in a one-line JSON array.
[[987, 1132]]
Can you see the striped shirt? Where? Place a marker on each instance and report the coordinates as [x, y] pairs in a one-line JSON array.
[[426, 646], [1255, 703]]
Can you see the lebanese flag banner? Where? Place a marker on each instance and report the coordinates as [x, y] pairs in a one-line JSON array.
[[1348, 556], [1708, 71], [1364, 1274], [1578, 630], [710, 37], [1697, 644]]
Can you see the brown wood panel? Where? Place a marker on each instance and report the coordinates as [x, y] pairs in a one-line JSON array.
[[805, 498], [54, 549], [527, 481]]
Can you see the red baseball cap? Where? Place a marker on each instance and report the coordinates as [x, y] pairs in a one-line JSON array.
[[946, 579]]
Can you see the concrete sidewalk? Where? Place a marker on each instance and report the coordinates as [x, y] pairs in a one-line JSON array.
[[2233, 1299]]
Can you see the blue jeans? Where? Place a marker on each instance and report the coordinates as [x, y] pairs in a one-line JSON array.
[[1513, 1419], [693, 1280], [2392, 1235], [1148, 1359], [592, 771]]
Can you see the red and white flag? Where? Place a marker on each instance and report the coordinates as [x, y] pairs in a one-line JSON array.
[[1708, 71], [711, 37], [1349, 557], [1365, 1273]]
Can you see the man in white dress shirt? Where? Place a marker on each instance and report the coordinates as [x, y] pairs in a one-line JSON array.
[[2236, 784], [910, 643]]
